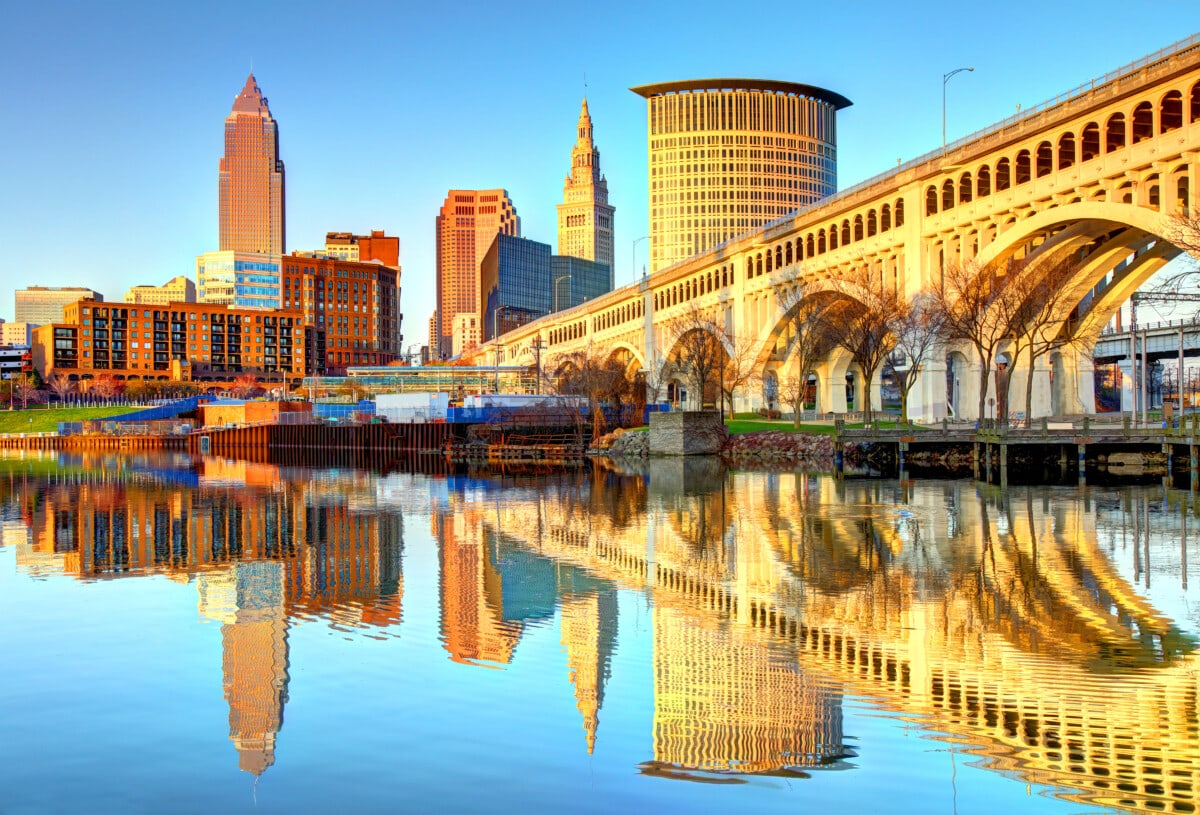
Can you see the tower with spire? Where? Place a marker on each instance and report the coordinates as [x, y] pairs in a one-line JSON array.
[[585, 218], [251, 177]]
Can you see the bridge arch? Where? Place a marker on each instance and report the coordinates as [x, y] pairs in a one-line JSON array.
[[1129, 242]]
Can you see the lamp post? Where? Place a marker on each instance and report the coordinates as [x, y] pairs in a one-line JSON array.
[[558, 280], [945, 79], [499, 351], [633, 257]]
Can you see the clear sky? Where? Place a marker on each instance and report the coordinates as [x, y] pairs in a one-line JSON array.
[[114, 111]]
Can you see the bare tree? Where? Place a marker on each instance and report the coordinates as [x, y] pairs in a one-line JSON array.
[[862, 324], [60, 385], [653, 378], [807, 338], [1035, 306], [23, 388], [699, 348], [105, 386], [969, 296], [599, 380], [792, 390], [1184, 232], [740, 367], [916, 326], [245, 384]]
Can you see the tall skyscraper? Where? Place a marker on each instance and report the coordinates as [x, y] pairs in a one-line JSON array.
[[514, 285], [251, 189], [585, 218], [729, 155], [466, 226]]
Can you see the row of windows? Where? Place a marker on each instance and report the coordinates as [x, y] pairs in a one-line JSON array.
[[1092, 142]]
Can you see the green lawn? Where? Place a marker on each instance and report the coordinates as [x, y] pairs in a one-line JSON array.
[[43, 420], [758, 424]]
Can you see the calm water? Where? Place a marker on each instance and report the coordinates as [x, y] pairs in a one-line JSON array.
[[203, 636]]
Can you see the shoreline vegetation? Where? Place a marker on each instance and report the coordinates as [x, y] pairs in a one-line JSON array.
[[749, 444]]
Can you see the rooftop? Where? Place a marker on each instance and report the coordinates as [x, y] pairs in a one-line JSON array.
[[727, 84]]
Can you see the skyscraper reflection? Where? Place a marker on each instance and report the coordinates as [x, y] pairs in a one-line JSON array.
[[264, 547]]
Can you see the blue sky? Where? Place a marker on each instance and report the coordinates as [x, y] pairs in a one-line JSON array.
[[114, 111]]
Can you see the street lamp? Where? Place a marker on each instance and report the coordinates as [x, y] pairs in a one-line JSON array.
[[496, 321], [633, 257], [558, 280], [945, 79]]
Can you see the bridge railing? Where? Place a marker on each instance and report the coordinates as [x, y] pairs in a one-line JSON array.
[[997, 127]]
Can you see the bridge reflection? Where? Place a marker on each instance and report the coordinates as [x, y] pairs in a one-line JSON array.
[[991, 621], [1023, 626]]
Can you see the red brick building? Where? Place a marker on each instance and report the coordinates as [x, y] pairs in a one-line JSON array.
[[351, 310], [205, 342]]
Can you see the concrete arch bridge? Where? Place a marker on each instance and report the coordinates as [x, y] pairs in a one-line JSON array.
[[1099, 175]]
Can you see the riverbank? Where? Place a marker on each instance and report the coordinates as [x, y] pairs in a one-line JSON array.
[[764, 449]]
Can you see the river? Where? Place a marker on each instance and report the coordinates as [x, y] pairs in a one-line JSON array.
[[203, 635]]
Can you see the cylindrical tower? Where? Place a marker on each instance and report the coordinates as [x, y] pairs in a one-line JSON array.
[[728, 155]]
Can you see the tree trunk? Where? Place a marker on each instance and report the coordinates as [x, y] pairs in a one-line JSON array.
[[985, 369], [1029, 390]]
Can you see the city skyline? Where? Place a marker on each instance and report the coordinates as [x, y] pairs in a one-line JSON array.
[[372, 143]]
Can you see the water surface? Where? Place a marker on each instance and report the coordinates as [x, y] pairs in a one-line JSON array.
[[199, 635]]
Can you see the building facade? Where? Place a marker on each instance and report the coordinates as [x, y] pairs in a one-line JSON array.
[[466, 332], [466, 226], [44, 304], [15, 360], [16, 333], [179, 341], [240, 279], [514, 284], [376, 246], [729, 155], [176, 290], [576, 280], [251, 178], [585, 218], [351, 310]]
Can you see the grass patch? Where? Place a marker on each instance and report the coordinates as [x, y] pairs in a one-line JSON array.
[[45, 420], [757, 425]]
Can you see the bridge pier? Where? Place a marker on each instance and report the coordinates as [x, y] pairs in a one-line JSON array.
[[1074, 383]]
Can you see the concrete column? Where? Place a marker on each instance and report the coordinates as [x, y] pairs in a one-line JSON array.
[[927, 399], [831, 387], [1128, 387], [1041, 403], [1193, 175], [968, 391], [1168, 194], [1074, 383]]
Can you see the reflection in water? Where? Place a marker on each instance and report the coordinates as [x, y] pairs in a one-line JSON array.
[[262, 545], [1049, 632]]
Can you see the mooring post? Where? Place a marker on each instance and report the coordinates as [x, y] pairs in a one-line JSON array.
[[975, 460], [1081, 452], [838, 449], [1003, 466], [1169, 478], [902, 448], [1193, 467]]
